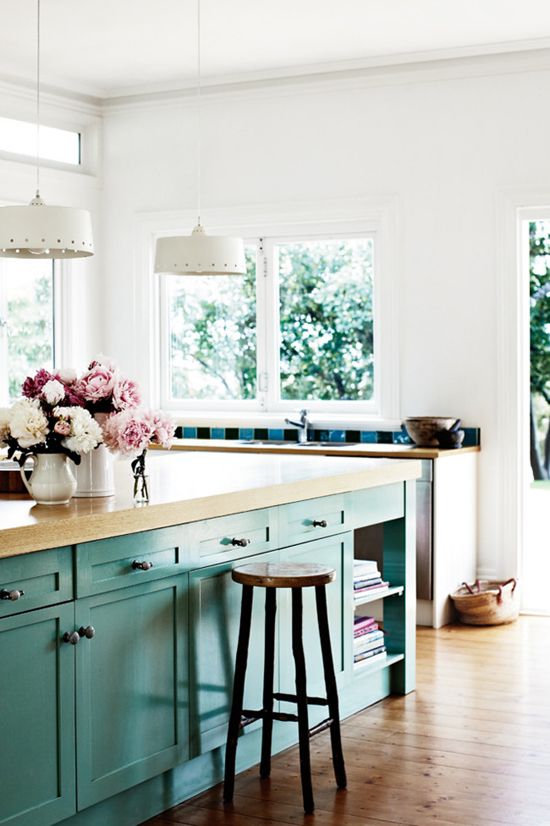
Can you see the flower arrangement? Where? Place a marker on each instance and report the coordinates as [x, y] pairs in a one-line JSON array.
[[63, 412], [46, 424]]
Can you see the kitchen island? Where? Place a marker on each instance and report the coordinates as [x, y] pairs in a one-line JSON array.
[[119, 624]]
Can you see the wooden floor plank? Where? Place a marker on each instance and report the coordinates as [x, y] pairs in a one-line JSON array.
[[471, 747]]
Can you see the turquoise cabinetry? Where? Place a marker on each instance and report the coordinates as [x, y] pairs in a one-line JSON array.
[[132, 719]]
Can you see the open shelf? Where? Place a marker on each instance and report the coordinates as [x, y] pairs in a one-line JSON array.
[[366, 667], [395, 590]]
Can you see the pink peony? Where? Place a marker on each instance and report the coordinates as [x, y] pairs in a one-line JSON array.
[[126, 394], [162, 427], [32, 387], [96, 384], [127, 432]]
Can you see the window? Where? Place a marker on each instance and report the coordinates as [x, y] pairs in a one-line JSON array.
[[298, 328], [19, 138], [26, 322]]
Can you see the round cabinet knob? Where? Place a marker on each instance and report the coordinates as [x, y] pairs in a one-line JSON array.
[[319, 523], [13, 595], [141, 566], [241, 543], [73, 637], [88, 632]]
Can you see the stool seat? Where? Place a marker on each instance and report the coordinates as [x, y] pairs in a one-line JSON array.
[[283, 575]]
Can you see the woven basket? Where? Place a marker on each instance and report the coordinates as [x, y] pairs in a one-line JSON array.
[[487, 603]]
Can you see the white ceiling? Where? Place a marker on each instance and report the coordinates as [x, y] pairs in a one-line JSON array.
[[112, 47]]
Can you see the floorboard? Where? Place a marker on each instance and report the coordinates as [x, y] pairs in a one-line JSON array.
[[470, 747]]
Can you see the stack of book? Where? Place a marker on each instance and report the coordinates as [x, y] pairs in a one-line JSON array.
[[368, 640], [367, 579]]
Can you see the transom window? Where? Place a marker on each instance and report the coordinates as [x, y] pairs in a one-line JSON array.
[[27, 330], [298, 328], [19, 138]]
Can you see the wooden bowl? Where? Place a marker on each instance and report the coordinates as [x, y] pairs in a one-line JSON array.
[[423, 430]]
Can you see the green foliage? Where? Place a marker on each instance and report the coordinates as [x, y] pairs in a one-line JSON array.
[[30, 329], [539, 290], [326, 322]]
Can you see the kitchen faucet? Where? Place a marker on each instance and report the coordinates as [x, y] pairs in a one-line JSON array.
[[302, 426]]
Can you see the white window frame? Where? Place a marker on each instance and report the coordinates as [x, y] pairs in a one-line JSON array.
[[335, 218]]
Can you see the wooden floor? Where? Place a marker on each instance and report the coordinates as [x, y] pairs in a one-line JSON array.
[[471, 746]]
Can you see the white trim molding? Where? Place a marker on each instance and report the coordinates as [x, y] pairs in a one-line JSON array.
[[511, 289]]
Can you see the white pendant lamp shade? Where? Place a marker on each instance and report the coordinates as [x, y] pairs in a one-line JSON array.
[[200, 254], [41, 231]]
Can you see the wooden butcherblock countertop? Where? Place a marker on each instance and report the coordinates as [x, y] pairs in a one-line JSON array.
[[336, 449], [186, 488]]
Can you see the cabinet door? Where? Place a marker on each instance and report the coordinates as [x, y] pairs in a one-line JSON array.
[[337, 553], [37, 721], [215, 608], [132, 718]]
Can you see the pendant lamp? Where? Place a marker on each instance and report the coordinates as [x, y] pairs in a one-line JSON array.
[[38, 230], [200, 253]]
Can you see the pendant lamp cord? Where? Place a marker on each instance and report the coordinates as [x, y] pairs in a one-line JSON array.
[[37, 98], [199, 113]]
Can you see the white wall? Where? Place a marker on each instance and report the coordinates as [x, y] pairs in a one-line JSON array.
[[446, 147]]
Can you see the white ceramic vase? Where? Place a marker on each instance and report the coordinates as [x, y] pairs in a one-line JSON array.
[[94, 474], [52, 481]]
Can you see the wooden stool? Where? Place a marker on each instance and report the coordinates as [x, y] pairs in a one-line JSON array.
[[295, 576]]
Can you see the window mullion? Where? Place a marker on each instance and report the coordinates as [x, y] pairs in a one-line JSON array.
[[272, 325], [261, 321]]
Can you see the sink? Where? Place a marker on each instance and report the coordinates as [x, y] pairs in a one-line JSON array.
[[286, 443]]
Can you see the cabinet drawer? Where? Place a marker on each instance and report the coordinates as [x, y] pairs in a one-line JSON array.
[[312, 519], [235, 536], [45, 578], [114, 563], [374, 505]]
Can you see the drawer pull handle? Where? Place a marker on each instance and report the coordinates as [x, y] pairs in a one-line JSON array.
[[12, 595], [73, 637], [240, 543], [88, 632], [319, 523], [141, 566]]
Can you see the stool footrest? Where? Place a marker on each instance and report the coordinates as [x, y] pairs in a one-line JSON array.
[[291, 698], [322, 726], [249, 716]]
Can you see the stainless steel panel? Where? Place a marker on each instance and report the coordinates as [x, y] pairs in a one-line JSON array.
[[424, 525]]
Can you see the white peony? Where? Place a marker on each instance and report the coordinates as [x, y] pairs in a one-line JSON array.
[[28, 424], [5, 414], [53, 391], [67, 375], [85, 431]]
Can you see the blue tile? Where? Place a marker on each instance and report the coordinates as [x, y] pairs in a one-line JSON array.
[[368, 437], [246, 433], [217, 433], [275, 434], [472, 436], [189, 432], [324, 436], [337, 436], [401, 437]]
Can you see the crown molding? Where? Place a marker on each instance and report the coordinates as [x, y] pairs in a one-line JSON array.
[[23, 92], [391, 70]]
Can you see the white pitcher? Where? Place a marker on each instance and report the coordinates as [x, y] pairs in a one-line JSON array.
[[52, 481]]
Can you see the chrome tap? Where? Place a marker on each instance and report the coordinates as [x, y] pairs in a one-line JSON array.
[[302, 426]]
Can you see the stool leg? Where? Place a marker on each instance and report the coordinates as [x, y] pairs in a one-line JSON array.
[[238, 693], [269, 664], [301, 697], [330, 683]]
